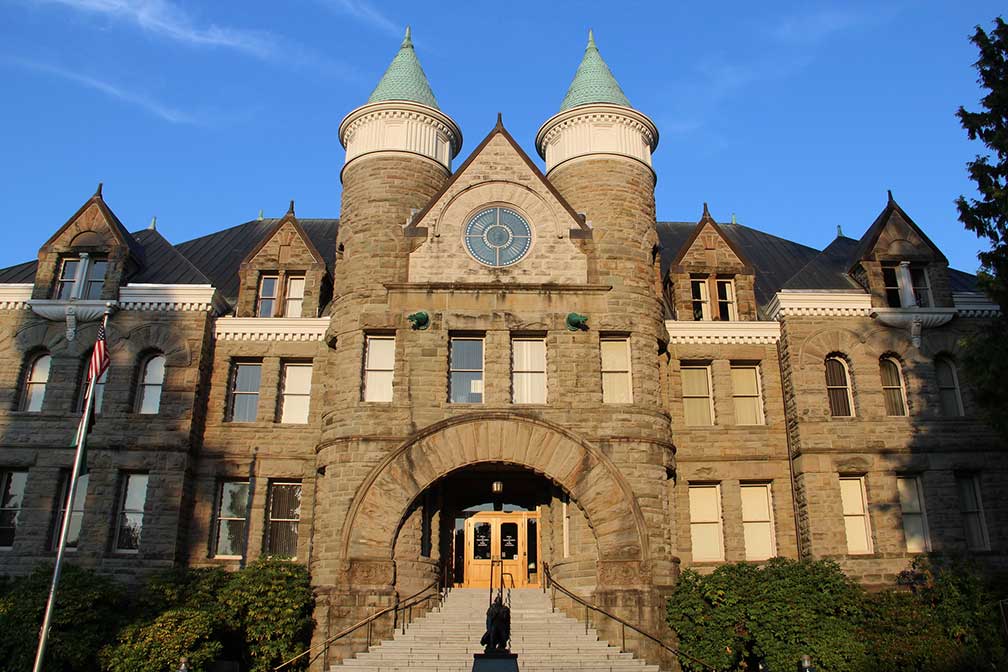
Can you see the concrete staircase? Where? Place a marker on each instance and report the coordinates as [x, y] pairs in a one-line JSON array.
[[445, 639]]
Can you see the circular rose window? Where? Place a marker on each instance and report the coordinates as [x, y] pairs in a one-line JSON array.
[[498, 236]]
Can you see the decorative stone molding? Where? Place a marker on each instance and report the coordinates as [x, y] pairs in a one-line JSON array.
[[974, 304], [791, 302], [14, 296], [597, 129], [707, 331], [914, 319], [400, 126], [271, 328], [73, 311], [201, 298]]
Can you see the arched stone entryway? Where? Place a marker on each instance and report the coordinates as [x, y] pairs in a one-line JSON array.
[[578, 467]]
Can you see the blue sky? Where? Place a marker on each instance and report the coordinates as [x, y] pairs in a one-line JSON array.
[[794, 116]]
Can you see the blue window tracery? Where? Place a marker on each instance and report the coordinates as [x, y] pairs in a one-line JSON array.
[[498, 236]]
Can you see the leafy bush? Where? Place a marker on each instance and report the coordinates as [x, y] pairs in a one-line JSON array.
[[158, 645], [88, 613]]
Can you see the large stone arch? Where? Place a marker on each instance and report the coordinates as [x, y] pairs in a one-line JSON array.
[[580, 468]]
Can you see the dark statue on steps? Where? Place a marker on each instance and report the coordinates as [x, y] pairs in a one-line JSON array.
[[498, 623]]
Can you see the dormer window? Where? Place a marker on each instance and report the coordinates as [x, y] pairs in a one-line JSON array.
[[280, 295], [294, 296], [701, 300], [725, 295], [726, 299], [81, 277], [906, 285], [266, 303]]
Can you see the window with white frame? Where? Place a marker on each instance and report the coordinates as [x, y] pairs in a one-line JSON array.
[[294, 295], [99, 387], [617, 385], [727, 309], [232, 517], [76, 513], [283, 516], [244, 401], [267, 297], [700, 295], [12, 489], [893, 388], [855, 513], [915, 526], [971, 506], [948, 387], [890, 281], [838, 390], [747, 394], [151, 383], [36, 379], [706, 533], [528, 370], [66, 283], [921, 286], [295, 397], [379, 368], [757, 521], [81, 278], [465, 382], [906, 285], [698, 399], [129, 525]]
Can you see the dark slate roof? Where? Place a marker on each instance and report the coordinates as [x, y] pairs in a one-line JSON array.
[[164, 264], [774, 258], [220, 254], [828, 269], [960, 281], [21, 273]]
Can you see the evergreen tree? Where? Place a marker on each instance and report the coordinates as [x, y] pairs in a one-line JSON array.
[[986, 353]]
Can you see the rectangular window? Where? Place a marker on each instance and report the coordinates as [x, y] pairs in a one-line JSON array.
[[296, 395], [245, 378], [565, 511], [855, 513], [94, 279], [379, 367], [915, 527], [67, 282], [705, 522], [757, 521], [283, 515], [132, 498], [617, 385], [76, 514], [698, 402], [99, 388], [294, 296], [12, 489], [700, 297], [747, 395], [466, 374], [891, 282], [921, 286], [972, 512], [232, 510], [528, 370], [726, 300], [266, 301]]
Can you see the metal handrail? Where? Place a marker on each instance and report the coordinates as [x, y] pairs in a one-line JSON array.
[[400, 605], [552, 584]]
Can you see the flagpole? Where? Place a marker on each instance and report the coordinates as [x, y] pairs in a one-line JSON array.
[[82, 431]]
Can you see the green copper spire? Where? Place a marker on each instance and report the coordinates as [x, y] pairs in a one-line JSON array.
[[404, 79], [593, 82]]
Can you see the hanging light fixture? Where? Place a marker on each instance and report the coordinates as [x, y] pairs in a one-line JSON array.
[[497, 487]]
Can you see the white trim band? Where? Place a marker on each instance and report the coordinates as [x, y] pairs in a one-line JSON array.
[[790, 302], [974, 304], [14, 296], [202, 298], [271, 328], [707, 331]]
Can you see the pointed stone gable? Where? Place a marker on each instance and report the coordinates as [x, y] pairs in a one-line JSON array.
[[499, 173]]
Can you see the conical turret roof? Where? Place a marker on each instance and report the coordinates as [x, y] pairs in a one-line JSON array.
[[593, 82], [404, 79]]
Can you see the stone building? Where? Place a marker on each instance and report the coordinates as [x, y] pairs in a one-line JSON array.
[[495, 362]]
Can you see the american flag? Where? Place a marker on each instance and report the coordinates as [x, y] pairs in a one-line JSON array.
[[99, 357]]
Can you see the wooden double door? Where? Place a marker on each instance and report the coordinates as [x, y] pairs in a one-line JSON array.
[[510, 538]]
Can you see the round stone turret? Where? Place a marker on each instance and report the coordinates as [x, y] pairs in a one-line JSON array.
[[401, 115], [596, 118]]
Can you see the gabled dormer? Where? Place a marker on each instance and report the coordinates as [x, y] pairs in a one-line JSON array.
[[284, 275], [710, 278], [899, 265], [88, 258]]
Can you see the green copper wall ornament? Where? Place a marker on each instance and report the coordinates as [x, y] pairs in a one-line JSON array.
[[576, 322], [419, 320]]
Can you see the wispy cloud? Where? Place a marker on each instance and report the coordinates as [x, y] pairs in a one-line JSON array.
[[814, 26], [138, 99], [365, 12], [170, 21]]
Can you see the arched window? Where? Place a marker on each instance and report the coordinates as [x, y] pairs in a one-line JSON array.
[[99, 388], [841, 402], [152, 376], [893, 388], [35, 383], [948, 387]]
